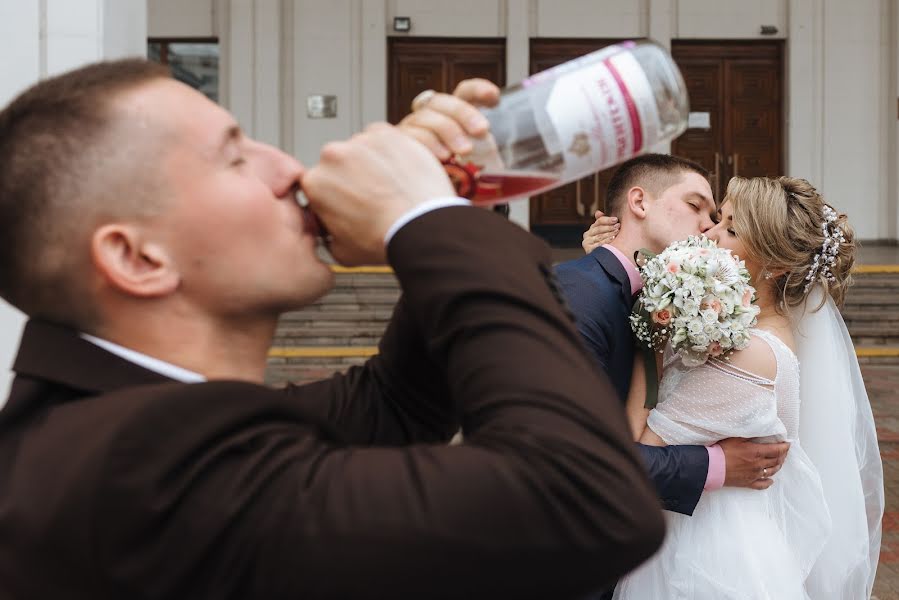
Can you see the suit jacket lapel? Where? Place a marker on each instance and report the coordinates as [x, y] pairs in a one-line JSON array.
[[59, 355], [613, 267], [55, 364]]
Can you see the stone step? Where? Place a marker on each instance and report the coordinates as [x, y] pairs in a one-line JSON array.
[[864, 287], [326, 317], [301, 370], [306, 370], [357, 311], [877, 354], [365, 280], [867, 339], [889, 318], [370, 300], [868, 298], [872, 329], [875, 279], [338, 336]]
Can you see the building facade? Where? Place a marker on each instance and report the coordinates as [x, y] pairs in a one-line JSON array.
[[828, 68]]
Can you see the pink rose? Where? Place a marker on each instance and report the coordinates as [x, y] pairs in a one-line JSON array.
[[747, 298], [661, 317], [673, 267], [715, 349], [714, 304]]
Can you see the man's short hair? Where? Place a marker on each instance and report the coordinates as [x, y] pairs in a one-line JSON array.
[[59, 162], [653, 172]]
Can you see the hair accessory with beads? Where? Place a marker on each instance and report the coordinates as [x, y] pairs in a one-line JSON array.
[[824, 260]]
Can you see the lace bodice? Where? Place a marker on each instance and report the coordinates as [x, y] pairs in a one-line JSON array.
[[705, 404]]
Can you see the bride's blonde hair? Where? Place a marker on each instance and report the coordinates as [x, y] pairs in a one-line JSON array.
[[783, 225]]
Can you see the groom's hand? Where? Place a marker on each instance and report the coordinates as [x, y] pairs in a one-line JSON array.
[[751, 465], [446, 123]]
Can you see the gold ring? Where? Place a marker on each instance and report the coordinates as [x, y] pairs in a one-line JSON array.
[[419, 101]]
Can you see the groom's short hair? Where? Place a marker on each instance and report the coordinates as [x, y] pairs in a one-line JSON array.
[[653, 172], [64, 158]]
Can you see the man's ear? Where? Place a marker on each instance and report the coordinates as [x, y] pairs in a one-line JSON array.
[[636, 202], [131, 263]]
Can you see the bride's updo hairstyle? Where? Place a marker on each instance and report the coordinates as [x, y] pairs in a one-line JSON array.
[[797, 238]]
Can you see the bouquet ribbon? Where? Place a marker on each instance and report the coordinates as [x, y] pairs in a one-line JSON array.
[[649, 370]]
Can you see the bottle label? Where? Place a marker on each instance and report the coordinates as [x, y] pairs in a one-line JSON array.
[[575, 64], [603, 114]]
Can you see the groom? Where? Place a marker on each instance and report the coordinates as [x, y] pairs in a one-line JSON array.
[[658, 199]]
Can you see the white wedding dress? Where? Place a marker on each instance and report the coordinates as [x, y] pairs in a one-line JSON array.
[[739, 543], [816, 532]]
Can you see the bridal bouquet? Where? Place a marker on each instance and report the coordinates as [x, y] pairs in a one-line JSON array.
[[696, 296]]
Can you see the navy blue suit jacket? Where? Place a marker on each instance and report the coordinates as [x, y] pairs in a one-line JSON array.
[[598, 292]]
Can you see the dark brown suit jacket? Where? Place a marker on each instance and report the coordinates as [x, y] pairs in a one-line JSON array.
[[118, 483]]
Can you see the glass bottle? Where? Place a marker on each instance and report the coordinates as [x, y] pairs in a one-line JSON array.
[[578, 118]]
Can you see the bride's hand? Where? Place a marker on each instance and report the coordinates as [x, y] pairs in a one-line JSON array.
[[750, 464], [603, 231]]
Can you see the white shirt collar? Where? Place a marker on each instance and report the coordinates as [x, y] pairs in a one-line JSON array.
[[148, 362]]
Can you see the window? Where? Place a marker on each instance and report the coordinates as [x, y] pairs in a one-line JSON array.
[[192, 61]]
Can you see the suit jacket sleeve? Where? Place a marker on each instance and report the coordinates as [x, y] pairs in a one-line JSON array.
[[546, 498], [399, 396], [678, 473]]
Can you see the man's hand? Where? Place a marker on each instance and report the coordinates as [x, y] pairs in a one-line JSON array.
[[603, 231], [752, 465], [360, 188], [446, 123]]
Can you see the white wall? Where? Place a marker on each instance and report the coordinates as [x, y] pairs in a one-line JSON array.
[[19, 28], [181, 18], [50, 36], [326, 37], [468, 18], [842, 68], [892, 117], [591, 19], [729, 19], [854, 120], [252, 58]]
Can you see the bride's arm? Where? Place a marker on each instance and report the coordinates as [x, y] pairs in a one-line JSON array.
[[650, 438], [636, 399], [637, 413]]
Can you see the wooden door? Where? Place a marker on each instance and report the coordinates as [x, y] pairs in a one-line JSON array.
[[740, 86], [560, 216], [418, 64]]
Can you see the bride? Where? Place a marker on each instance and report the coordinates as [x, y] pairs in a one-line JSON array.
[[816, 532]]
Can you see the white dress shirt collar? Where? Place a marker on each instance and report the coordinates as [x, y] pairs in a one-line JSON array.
[[148, 362]]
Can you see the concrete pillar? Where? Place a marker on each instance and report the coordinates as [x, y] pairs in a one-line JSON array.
[[520, 28]]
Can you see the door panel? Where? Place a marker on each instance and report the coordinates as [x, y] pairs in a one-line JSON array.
[[756, 123], [418, 64], [705, 82], [414, 75], [740, 85], [492, 70]]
